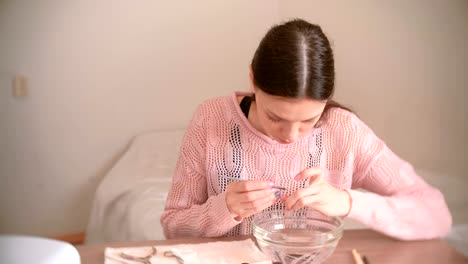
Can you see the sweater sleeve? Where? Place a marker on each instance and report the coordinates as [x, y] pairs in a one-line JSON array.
[[189, 212], [398, 203]]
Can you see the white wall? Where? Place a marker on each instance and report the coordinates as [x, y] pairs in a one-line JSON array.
[[99, 73], [102, 71], [402, 65]]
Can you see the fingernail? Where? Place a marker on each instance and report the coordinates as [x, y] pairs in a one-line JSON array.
[[297, 177], [278, 194], [271, 184]]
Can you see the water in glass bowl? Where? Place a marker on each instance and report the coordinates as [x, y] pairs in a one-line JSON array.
[[297, 239], [288, 250]]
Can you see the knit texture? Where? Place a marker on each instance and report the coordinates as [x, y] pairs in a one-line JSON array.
[[220, 142]]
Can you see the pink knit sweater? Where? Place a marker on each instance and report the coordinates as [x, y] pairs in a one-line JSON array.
[[221, 142]]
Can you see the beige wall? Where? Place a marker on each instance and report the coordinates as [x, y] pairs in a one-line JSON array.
[[402, 65], [99, 73], [102, 71]]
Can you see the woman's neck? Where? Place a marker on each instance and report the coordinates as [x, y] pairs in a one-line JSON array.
[[253, 115], [253, 118]]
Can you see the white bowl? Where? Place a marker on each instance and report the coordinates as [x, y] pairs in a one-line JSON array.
[[16, 249]]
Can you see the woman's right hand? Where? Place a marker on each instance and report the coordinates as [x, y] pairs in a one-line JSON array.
[[246, 198]]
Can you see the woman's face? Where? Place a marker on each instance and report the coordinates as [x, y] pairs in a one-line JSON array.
[[286, 119]]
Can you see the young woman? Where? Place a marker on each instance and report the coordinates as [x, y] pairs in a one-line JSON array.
[[288, 132]]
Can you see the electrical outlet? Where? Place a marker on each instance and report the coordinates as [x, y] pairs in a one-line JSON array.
[[20, 86]]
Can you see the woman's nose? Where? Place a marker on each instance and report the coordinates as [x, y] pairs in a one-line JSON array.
[[291, 133]]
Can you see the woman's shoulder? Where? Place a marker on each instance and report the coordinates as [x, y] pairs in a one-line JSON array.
[[341, 120], [212, 109], [215, 102], [346, 131], [340, 117]]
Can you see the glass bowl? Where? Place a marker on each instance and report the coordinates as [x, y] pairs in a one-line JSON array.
[[299, 237]]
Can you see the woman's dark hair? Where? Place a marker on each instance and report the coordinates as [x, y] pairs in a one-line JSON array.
[[295, 60]]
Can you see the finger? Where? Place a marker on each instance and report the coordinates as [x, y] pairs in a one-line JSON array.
[[297, 195], [241, 209], [256, 195], [309, 201], [237, 207], [265, 205], [235, 199], [246, 186], [259, 202], [248, 211], [283, 197], [244, 212], [308, 173], [315, 179]]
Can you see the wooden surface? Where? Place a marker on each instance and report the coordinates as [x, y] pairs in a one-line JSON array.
[[378, 248], [74, 239]]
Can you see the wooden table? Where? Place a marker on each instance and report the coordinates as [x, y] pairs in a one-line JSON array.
[[379, 249]]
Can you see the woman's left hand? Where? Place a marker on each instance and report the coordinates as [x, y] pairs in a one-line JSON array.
[[319, 195]]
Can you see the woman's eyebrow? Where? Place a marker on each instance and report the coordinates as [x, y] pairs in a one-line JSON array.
[[273, 115]]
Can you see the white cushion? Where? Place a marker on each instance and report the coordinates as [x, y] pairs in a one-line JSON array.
[[131, 197]]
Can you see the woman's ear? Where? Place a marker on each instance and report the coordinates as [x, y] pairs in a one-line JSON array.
[[251, 78]]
